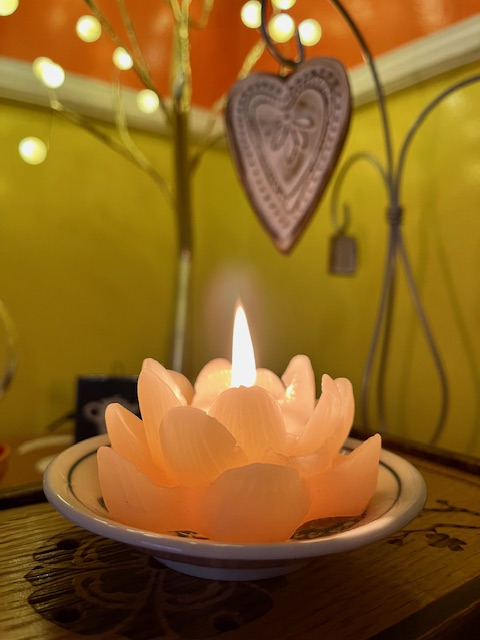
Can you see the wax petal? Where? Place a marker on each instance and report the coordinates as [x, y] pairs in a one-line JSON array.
[[165, 376], [346, 489], [215, 377], [332, 417], [183, 384], [299, 398], [269, 381], [299, 381], [253, 417], [131, 498], [256, 503], [295, 421], [307, 465], [345, 389], [156, 398], [127, 437], [196, 447]]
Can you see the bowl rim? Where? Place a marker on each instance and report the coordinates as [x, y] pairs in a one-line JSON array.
[[58, 490]]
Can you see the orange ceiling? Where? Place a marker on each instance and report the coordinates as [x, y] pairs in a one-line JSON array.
[[47, 28]]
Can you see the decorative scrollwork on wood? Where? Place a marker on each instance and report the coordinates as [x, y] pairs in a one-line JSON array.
[[91, 585], [435, 534]]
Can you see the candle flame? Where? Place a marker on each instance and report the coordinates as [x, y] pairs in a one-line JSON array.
[[243, 358]]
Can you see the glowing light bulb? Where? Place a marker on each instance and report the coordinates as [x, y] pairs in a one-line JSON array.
[[50, 74], [122, 59], [310, 32], [32, 150], [54, 76], [38, 65], [251, 14], [283, 4], [244, 370], [281, 27], [88, 29], [147, 101], [7, 7]]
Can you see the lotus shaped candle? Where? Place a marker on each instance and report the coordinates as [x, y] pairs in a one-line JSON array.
[[232, 462]]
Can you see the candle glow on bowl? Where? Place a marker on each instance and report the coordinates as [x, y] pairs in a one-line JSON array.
[[240, 457]]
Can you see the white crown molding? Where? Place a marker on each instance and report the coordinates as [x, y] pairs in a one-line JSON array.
[[88, 97], [408, 65], [419, 60]]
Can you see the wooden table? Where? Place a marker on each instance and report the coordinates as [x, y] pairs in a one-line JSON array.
[[58, 581]]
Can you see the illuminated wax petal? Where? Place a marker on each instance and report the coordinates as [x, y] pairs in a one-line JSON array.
[[127, 437], [253, 417], [196, 447], [299, 381], [183, 384], [307, 465], [215, 377], [332, 417], [346, 489], [299, 401], [156, 398], [131, 498], [165, 376], [269, 381], [255, 503]]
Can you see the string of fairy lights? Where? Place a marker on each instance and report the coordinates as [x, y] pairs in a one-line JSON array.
[[281, 28]]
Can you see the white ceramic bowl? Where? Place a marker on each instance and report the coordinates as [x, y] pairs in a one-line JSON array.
[[71, 486]]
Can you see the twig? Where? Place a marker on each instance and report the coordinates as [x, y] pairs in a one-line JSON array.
[[182, 80], [202, 23], [142, 73], [175, 7], [140, 161], [132, 36], [122, 127]]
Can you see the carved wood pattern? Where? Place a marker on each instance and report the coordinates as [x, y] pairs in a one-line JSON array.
[[59, 582], [116, 589]]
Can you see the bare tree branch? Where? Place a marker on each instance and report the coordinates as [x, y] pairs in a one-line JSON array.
[[132, 37], [137, 159], [181, 84], [175, 7], [204, 16], [182, 78], [138, 156], [142, 72]]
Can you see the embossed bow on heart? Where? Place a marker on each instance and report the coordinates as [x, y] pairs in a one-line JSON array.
[[286, 134]]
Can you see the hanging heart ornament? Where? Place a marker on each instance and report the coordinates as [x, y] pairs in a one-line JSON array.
[[286, 134]]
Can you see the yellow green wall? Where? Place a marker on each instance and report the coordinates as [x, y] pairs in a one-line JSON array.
[[88, 260]]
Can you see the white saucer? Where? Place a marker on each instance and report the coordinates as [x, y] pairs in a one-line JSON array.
[[71, 486]]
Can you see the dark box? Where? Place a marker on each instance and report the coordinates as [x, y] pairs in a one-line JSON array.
[[94, 394]]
